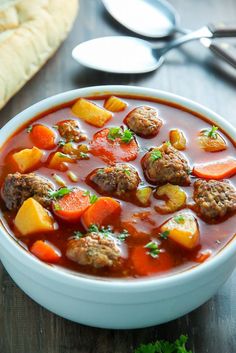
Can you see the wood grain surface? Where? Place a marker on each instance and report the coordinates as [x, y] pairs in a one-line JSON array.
[[191, 71]]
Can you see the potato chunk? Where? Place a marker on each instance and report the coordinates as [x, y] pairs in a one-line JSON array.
[[114, 104], [143, 195], [175, 196], [27, 159], [33, 218], [210, 144], [183, 229], [177, 139], [91, 113], [59, 161]]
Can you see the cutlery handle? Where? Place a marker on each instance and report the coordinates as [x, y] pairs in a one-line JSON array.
[[225, 51], [222, 30]]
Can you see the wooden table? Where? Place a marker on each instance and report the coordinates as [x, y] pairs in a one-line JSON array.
[[193, 72]]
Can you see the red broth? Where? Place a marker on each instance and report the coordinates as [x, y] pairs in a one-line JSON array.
[[142, 223]]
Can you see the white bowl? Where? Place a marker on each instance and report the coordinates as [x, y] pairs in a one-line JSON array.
[[114, 303]]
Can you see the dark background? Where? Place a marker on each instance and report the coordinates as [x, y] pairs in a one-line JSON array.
[[191, 71]]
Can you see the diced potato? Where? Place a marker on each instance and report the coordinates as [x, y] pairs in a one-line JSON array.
[[183, 229], [177, 139], [114, 104], [27, 159], [59, 161], [143, 195], [75, 150], [210, 144], [175, 195], [33, 218], [91, 113]]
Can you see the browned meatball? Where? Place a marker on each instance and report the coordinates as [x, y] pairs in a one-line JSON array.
[[70, 131], [93, 250], [165, 164], [19, 187], [144, 121], [116, 180], [214, 199]]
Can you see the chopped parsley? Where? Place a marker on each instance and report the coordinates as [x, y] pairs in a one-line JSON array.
[[59, 193], [117, 132], [168, 143], [127, 171], [86, 193], [93, 228], [100, 171], [123, 235], [162, 346], [29, 129], [155, 154], [153, 249], [84, 155], [63, 155], [93, 198], [57, 207], [179, 219], [164, 235], [77, 234], [61, 143], [211, 132]]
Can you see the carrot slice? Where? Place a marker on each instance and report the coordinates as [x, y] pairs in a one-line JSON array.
[[43, 137], [217, 170], [113, 150], [71, 206], [102, 212], [145, 265], [45, 251]]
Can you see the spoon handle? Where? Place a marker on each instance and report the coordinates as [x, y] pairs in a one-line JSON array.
[[222, 30], [225, 51]]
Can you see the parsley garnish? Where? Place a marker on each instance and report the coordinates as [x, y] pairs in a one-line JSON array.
[[127, 136], [211, 132], [29, 129], [57, 207], [86, 193], [156, 154], [93, 228], [162, 346], [153, 249], [164, 235], [77, 234], [127, 171], [63, 155], [93, 198], [100, 171], [84, 155], [61, 143], [179, 219], [123, 235], [117, 132], [168, 143], [59, 193]]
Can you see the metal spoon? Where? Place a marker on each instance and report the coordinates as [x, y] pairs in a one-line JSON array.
[[122, 54]]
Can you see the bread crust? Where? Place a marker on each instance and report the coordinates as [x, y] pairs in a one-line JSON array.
[[30, 33]]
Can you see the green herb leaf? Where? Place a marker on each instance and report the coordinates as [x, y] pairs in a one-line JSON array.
[[179, 219], [57, 207], [84, 155], [86, 193], [59, 193], [211, 132], [164, 235], [127, 136], [162, 346], [114, 133], [61, 143], [29, 129], [123, 235], [93, 228], [155, 154], [127, 171], [93, 198], [168, 143], [100, 171], [77, 234], [154, 251]]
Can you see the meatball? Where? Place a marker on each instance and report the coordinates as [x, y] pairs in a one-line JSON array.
[[144, 121], [93, 250], [70, 131], [117, 179], [19, 187], [214, 199], [164, 165]]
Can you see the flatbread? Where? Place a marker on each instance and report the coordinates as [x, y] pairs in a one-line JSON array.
[[30, 32]]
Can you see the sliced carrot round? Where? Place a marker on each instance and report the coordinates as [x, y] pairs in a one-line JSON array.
[[145, 264], [43, 137], [103, 212], [113, 150], [217, 170], [71, 206], [45, 251]]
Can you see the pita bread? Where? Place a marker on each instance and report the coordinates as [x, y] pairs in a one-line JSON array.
[[30, 32]]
